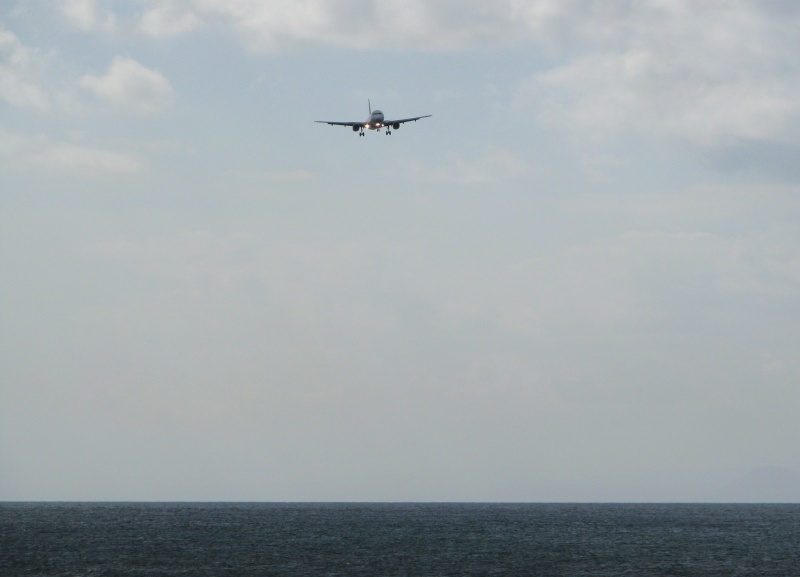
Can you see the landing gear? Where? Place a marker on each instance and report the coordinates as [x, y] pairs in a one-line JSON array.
[[388, 132]]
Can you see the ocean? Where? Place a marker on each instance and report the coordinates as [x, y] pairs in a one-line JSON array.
[[338, 539]]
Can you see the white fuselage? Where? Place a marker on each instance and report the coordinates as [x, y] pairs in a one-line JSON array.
[[374, 120]]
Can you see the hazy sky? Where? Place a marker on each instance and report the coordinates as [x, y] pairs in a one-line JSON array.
[[578, 280]]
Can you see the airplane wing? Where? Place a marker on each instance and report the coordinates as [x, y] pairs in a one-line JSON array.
[[390, 122], [359, 124]]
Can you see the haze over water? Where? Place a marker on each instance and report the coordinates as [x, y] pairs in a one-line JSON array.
[[578, 280]]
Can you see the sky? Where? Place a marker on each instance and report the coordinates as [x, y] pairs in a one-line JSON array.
[[578, 280]]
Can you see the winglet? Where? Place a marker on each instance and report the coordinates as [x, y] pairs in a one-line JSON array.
[[369, 105]]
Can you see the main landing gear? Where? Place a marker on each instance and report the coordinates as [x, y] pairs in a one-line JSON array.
[[388, 131]]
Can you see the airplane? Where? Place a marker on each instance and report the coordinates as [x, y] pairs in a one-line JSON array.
[[375, 121]]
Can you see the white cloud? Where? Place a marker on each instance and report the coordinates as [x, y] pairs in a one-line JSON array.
[[170, 17], [41, 153], [710, 74], [130, 86], [19, 74], [367, 24], [391, 24], [88, 16], [644, 92]]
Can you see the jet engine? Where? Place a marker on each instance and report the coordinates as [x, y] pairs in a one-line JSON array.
[[355, 129], [396, 125]]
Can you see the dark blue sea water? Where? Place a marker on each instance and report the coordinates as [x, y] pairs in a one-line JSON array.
[[236, 539]]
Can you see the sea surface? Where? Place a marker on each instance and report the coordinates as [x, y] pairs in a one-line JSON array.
[[263, 539]]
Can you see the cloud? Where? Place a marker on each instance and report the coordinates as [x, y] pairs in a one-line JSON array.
[[710, 74], [88, 16], [130, 86], [361, 24], [642, 91], [41, 153], [19, 74], [714, 74], [170, 18]]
